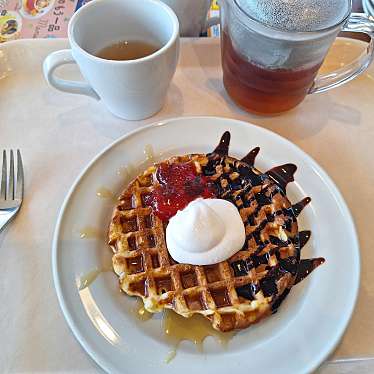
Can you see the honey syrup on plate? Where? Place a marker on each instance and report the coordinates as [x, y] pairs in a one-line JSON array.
[[177, 329], [194, 329], [149, 153], [105, 193], [140, 312], [126, 172], [87, 279], [129, 170], [89, 232]]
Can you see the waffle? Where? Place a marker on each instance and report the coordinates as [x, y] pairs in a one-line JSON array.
[[232, 294]]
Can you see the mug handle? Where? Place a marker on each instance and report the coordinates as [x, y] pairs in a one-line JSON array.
[[358, 22], [59, 58]]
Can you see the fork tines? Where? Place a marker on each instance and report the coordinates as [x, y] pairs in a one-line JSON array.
[[11, 187]]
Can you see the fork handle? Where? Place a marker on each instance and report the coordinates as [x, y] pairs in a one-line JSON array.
[[59, 58]]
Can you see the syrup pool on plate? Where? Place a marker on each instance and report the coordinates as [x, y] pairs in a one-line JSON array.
[[194, 329], [126, 171], [149, 153], [105, 193], [89, 232], [176, 329], [88, 278], [140, 312]]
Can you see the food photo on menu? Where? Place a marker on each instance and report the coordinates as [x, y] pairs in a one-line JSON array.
[[186, 185]]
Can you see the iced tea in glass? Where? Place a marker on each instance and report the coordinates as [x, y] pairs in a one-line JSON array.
[[272, 50]]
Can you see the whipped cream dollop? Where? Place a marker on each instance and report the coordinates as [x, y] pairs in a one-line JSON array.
[[205, 232]]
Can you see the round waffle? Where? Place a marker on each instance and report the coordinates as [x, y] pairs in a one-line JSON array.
[[232, 294]]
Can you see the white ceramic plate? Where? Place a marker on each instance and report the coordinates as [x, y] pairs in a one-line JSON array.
[[297, 339]]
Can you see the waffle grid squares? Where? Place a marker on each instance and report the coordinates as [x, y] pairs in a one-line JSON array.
[[232, 294]]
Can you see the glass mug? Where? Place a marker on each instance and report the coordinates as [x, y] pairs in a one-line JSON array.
[[269, 71]]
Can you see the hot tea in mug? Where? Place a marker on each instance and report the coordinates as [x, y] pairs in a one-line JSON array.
[[128, 67], [127, 50]]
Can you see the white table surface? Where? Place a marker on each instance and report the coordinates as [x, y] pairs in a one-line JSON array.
[[60, 133]]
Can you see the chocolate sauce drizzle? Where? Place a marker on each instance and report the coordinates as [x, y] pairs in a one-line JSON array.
[[307, 266], [298, 207], [250, 177], [224, 144], [251, 156], [283, 175], [304, 237]]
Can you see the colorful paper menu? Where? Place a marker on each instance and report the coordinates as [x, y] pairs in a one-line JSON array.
[[36, 18], [48, 18]]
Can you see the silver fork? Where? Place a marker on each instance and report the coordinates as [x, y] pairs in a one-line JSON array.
[[11, 189]]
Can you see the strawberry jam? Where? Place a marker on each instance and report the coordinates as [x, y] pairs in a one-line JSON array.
[[179, 185]]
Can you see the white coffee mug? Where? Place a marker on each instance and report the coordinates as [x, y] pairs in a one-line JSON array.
[[192, 15], [130, 89]]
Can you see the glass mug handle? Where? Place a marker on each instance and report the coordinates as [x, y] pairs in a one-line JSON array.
[[358, 22]]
